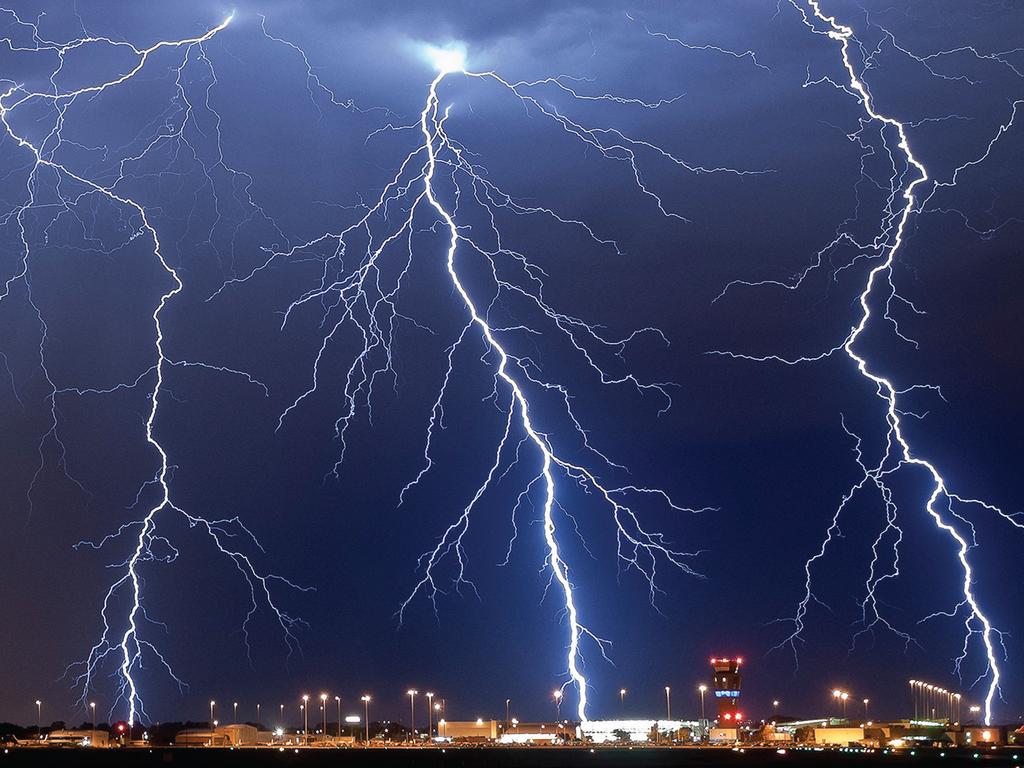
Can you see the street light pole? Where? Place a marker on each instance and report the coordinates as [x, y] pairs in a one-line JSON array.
[[508, 718], [323, 709], [234, 715], [281, 715], [668, 703], [366, 712], [212, 705], [866, 701], [557, 693], [338, 700], [412, 713], [701, 689], [305, 719], [92, 736], [622, 701], [258, 706], [430, 715]]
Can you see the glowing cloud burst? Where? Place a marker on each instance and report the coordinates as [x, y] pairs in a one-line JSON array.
[[447, 60]]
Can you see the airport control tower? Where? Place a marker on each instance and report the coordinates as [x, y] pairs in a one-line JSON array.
[[727, 690]]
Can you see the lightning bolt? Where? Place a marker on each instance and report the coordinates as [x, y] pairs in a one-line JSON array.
[[944, 507], [441, 181], [126, 646]]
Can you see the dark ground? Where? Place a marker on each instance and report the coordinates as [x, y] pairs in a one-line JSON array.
[[496, 758]]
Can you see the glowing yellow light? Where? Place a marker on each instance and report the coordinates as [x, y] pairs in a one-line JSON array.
[[449, 59]]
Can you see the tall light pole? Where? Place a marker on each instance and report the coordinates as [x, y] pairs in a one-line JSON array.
[[412, 712], [323, 708], [557, 693], [281, 714], [668, 703], [836, 694], [337, 700], [702, 689], [622, 701], [39, 719], [257, 716], [234, 715], [913, 695], [212, 705], [305, 718], [430, 714], [92, 736], [844, 697], [775, 707], [866, 702], [366, 712], [508, 717]]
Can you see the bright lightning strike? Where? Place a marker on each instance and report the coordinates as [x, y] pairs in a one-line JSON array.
[[442, 190], [54, 188], [877, 299]]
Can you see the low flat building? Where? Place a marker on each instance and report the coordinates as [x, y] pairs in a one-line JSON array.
[[723, 735], [536, 733], [841, 736], [642, 731], [234, 735], [468, 730], [83, 738], [193, 737], [239, 734]]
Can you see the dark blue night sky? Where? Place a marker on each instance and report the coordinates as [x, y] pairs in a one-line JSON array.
[[251, 151]]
